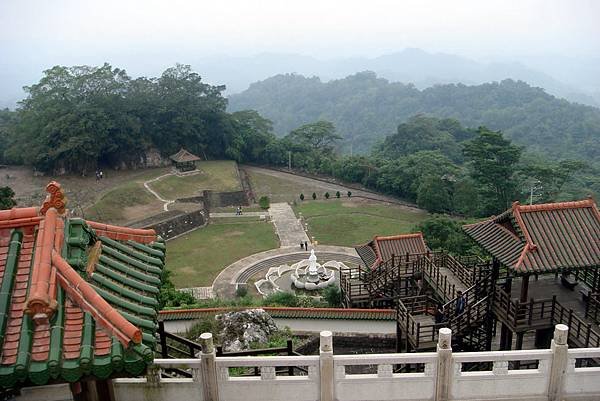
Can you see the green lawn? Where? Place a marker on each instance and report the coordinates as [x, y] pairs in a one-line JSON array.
[[282, 190], [195, 259], [352, 222], [218, 175]]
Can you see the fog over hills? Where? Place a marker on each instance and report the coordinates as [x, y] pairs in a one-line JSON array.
[[573, 79]]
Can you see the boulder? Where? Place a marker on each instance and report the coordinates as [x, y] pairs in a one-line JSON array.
[[238, 329]]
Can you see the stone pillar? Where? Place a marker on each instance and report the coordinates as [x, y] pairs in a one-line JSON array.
[[443, 377], [208, 368], [558, 367], [326, 366]]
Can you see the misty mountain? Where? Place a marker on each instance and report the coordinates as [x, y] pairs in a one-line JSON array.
[[365, 108], [415, 66]]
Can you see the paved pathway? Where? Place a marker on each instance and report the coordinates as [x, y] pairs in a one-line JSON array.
[[288, 227], [166, 202]]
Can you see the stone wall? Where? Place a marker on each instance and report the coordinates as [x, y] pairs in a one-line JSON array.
[[223, 199], [180, 224]]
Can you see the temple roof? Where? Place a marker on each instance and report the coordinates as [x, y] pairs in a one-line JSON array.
[[77, 298], [542, 238], [183, 156], [381, 248]]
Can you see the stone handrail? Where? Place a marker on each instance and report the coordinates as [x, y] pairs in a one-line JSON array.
[[442, 376]]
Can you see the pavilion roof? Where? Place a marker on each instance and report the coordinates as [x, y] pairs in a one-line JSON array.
[[542, 238], [77, 298], [184, 156], [382, 248]]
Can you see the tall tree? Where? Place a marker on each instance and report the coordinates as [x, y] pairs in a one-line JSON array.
[[493, 160], [318, 136], [7, 196]]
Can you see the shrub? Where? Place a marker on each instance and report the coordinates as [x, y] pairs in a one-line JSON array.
[[264, 202], [304, 301], [241, 291], [337, 194], [281, 299], [314, 196], [333, 296], [326, 195], [349, 194], [301, 197]]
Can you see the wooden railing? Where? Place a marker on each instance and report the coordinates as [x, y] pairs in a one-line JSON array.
[[592, 307], [544, 313]]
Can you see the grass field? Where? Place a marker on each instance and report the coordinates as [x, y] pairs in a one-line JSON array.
[[195, 259], [218, 175], [352, 222], [282, 190], [126, 201]]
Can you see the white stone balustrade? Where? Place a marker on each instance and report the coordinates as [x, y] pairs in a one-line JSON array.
[[442, 376]]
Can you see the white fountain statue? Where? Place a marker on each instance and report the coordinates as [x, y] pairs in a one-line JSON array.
[[312, 273], [307, 274]]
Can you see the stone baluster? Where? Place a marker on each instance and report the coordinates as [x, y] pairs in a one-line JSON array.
[[208, 368], [559, 364], [326, 366], [444, 365]]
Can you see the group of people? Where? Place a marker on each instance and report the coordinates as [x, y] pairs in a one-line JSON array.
[[99, 175], [238, 211], [459, 308], [304, 245]]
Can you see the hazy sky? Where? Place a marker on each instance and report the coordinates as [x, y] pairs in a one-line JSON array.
[[83, 29]]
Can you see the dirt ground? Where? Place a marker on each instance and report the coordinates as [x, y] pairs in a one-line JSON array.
[[81, 191]]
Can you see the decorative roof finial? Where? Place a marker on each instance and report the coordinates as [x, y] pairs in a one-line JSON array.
[[55, 199]]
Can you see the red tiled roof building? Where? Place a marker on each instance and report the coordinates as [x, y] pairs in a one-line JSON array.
[[77, 298], [542, 238], [381, 248]]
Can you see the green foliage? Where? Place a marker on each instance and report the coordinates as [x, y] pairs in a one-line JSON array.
[[281, 299], [7, 200], [327, 195], [301, 197], [337, 194], [433, 195], [76, 119], [207, 324], [264, 202], [333, 296], [314, 196], [444, 233], [493, 164], [365, 109], [241, 291], [170, 297]]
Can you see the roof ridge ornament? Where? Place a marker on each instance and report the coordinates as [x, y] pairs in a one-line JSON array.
[[55, 199]]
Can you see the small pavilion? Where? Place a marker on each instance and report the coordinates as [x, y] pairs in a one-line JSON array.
[[184, 160], [382, 248], [78, 299], [532, 240]]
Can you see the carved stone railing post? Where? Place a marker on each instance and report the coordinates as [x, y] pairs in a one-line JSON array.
[[208, 368], [326, 366], [443, 375], [559, 364]]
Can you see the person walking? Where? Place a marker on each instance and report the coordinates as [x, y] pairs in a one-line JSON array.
[[305, 245], [461, 303], [301, 245], [439, 313]]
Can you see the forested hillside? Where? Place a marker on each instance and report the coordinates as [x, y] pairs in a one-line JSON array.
[[76, 119], [365, 109]]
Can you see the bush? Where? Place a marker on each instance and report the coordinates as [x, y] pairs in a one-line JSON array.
[[281, 299], [326, 195], [301, 197], [264, 202], [349, 194], [333, 296], [314, 196], [241, 291], [337, 194]]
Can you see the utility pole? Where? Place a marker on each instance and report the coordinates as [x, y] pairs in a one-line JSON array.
[[534, 187], [290, 160]]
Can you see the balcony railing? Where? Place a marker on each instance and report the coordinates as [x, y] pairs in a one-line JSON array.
[[443, 375]]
